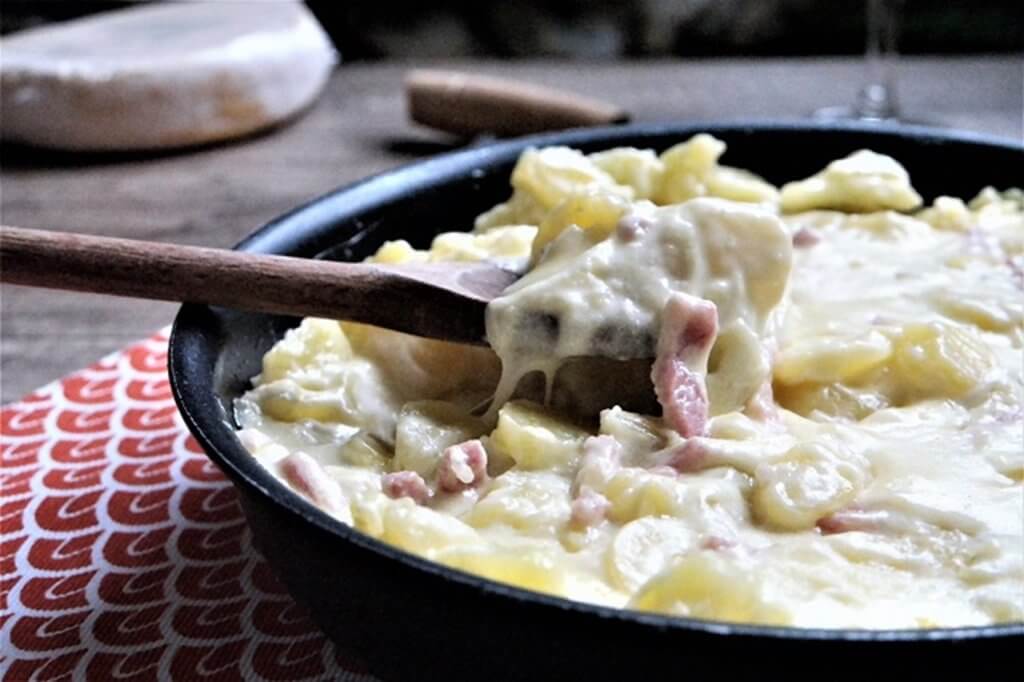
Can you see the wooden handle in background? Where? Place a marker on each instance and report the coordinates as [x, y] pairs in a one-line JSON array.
[[444, 301], [470, 104]]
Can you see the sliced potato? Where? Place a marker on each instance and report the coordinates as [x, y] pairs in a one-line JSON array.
[[313, 342], [640, 169], [645, 547], [637, 433], [425, 428], [715, 585], [810, 481], [365, 451], [531, 569], [536, 438], [597, 212], [551, 174], [533, 502], [422, 530], [827, 359], [939, 360]]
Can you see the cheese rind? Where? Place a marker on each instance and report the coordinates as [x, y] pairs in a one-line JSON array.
[[160, 77]]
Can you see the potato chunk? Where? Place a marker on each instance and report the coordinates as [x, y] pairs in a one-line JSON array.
[[535, 503], [425, 429], [364, 451], [422, 530], [551, 174], [533, 569], [596, 212], [644, 548], [692, 170], [311, 345], [939, 360], [640, 169], [711, 584], [638, 434], [825, 359], [834, 400], [860, 183], [536, 438], [810, 481]]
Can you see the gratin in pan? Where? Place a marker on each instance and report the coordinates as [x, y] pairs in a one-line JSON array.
[[411, 619]]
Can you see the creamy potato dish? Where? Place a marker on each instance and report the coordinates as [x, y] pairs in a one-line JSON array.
[[707, 397]]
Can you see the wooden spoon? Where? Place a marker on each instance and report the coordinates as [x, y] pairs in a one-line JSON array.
[[439, 300]]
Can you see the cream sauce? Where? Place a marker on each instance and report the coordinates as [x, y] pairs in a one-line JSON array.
[[862, 464], [606, 299]]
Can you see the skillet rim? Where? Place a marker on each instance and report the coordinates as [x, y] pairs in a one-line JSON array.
[[313, 220]]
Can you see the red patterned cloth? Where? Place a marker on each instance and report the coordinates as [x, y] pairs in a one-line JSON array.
[[124, 552]]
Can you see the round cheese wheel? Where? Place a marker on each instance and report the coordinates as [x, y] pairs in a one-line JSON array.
[[160, 76]]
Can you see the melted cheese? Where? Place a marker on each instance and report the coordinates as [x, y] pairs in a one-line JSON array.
[[863, 465], [606, 300]]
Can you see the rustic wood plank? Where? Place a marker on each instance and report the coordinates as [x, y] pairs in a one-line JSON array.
[[215, 196]]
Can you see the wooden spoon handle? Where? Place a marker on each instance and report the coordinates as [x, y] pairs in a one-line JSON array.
[[407, 300], [470, 104]]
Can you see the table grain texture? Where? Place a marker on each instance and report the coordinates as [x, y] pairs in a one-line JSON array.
[[215, 196]]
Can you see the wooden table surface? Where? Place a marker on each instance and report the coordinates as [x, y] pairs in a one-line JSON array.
[[215, 196]]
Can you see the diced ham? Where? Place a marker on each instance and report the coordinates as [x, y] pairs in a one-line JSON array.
[[689, 326], [688, 457], [406, 484], [700, 453], [806, 237], [311, 480], [589, 508], [462, 466]]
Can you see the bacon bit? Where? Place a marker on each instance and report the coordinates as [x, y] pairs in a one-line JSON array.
[[589, 508], [406, 484], [688, 329], [462, 466], [311, 480], [717, 543], [688, 457], [806, 237]]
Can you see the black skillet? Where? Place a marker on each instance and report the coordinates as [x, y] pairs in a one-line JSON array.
[[410, 619]]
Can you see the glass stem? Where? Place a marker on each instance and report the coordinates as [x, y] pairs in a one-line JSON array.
[[877, 99]]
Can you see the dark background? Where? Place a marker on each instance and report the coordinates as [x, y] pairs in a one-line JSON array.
[[604, 29]]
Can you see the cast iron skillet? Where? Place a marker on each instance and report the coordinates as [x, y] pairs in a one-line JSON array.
[[410, 619]]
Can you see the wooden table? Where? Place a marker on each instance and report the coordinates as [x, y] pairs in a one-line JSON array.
[[215, 196]]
